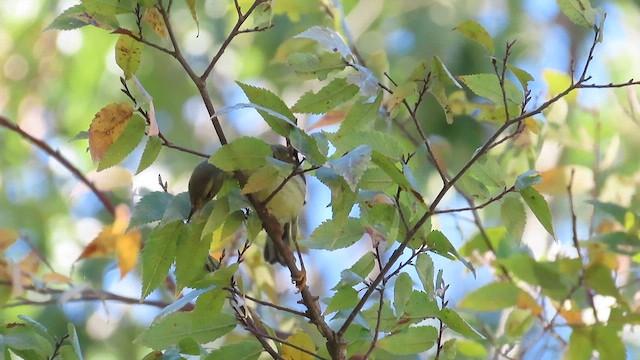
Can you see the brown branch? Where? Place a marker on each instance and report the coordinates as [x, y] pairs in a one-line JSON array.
[[478, 207], [62, 160]]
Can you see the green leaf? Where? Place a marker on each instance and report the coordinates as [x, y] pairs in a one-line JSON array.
[[388, 320], [441, 245], [38, 328], [243, 350], [72, 18], [488, 87], [269, 100], [472, 349], [192, 9], [580, 345], [22, 338], [522, 75], [342, 197], [401, 291], [420, 306], [308, 146], [357, 273], [413, 340], [262, 15], [494, 296], [328, 98], [217, 217], [599, 278], [125, 144], [382, 142], [150, 208], [456, 323], [191, 256], [150, 154], [519, 323], [311, 65], [128, 55], [344, 299], [360, 116], [107, 7], [328, 39], [244, 153], [496, 236], [387, 165], [159, 252], [527, 179], [539, 207], [352, 165], [476, 32], [607, 342], [618, 212], [74, 341], [513, 216], [425, 270], [579, 12], [177, 210], [201, 325], [328, 236]]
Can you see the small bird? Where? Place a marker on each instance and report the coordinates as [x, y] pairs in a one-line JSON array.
[[285, 205], [205, 182]]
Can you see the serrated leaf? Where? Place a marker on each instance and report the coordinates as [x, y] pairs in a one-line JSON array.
[[150, 208], [579, 12], [106, 7], [476, 32], [77, 16], [411, 341], [357, 272], [352, 165], [513, 216], [128, 55], [201, 325], [401, 291], [269, 100], [307, 145], [365, 80], [311, 65], [345, 298], [456, 323], [106, 127], [488, 87], [243, 350], [441, 245], [159, 252], [244, 153], [425, 270], [360, 116], [328, 98], [302, 340], [523, 76], [191, 255], [442, 75], [496, 296], [328, 39], [400, 93], [150, 153], [153, 17], [128, 140], [329, 236], [539, 207]]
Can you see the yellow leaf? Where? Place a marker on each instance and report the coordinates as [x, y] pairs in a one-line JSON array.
[[573, 317], [302, 340], [107, 125], [531, 125], [192, 8], [128, 54], [111, 239], [127, 251], [153, 17], [558, 82]]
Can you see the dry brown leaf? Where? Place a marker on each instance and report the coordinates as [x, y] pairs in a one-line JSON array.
[[328, 119], [153, 17]]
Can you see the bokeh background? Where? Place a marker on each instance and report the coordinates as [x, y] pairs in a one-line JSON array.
[[53, 82]]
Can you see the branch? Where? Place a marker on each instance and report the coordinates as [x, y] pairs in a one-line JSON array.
[[477, 207], [62, 160]]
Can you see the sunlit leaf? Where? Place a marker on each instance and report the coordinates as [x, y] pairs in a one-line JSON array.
[[328, 236], [150, 153], [328, 98], [410, 341], [579, 12], [328, 39], [352, 165], [244, 350], [192, 9], [242, 154], [302, 340], [128, 55], [476, 32], [106, 127], [345, 298], [269, 100], [488, 87], [128, 140], [153, 17], [456, 323], [539, 207], [513, 216]]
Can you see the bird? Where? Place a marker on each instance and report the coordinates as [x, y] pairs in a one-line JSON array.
[[284, 205], [205, 182]]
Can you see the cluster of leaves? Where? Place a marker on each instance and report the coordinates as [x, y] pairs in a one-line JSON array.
[[376, 309]]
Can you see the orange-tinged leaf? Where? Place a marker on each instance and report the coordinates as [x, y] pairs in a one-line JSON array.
[[127, 251], [153, 17], [303, 340], [526, 301], [328, 119], [106, 127], [56, 278], [7, 238], [128, 55], [192, 8], [573, 316], [101, 245]]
